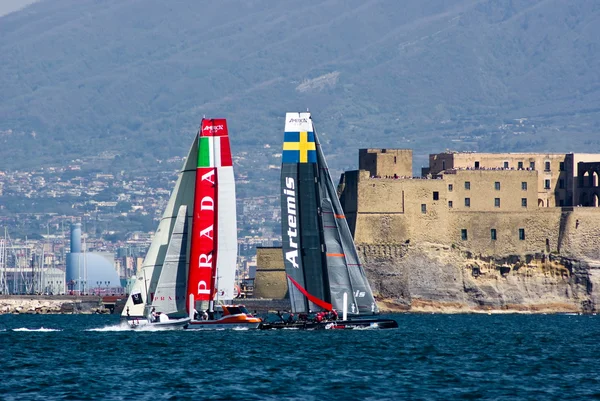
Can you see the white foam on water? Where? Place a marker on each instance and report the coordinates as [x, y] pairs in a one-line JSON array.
[[41, 329], [126, 327], [116, 327]]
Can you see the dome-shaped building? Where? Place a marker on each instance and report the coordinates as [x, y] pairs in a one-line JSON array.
[[90, 272]]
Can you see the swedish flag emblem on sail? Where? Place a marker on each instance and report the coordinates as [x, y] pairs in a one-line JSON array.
[[299, 147]]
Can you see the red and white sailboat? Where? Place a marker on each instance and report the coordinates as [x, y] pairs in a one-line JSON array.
[[185, 277], [214, 235]]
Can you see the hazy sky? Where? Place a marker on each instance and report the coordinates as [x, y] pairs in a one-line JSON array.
[[9, 6]]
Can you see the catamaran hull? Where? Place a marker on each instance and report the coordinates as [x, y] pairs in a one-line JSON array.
[[136, 323], [337, 325], [203, 325]]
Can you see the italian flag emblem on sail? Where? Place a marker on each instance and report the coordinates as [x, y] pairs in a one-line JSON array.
[[213, 144]]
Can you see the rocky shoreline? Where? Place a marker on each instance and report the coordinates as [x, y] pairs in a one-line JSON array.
[[424, 306], [31, 304], [431, 278]]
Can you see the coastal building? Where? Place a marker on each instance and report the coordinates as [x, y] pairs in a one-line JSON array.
[[562, 178], [90, 272], [488, 203]]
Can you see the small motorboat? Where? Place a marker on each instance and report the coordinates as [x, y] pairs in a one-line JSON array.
[[225, 317]]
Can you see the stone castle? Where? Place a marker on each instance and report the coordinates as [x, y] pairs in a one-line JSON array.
[[492, 204], [518, 231]]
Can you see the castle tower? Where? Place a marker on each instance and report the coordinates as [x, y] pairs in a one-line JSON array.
[[386, 162]]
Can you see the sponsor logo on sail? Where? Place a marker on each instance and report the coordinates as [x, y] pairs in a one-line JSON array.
[[301, 120], [359, 294], [292, 232], [167, 298], [213, 128], [207, 205]]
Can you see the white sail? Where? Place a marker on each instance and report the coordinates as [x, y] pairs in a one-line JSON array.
[[227, 234], [183, 194], [169, 297]]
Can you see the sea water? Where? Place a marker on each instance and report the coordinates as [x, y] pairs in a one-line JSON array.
[[429, 357]]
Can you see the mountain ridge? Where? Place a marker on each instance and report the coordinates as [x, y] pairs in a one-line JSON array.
[[80, 77]]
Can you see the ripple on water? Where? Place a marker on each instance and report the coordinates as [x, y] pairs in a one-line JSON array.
[[430, 357]]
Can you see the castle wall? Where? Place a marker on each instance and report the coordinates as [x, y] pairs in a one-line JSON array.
[[582, 233], [491, 190], [397, 211], [270, 279], [557, 183], [348, 189], [400, 210]]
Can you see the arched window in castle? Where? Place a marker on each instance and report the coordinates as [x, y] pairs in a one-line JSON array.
[[594, 179], [505, 164], [463, 234], [585, 180], [540, 203], [546, 184], [493, 234], [522, 234], [520, 165], [596, 200], [546, 165]]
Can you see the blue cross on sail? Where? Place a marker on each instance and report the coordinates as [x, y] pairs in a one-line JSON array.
[[299, 139]]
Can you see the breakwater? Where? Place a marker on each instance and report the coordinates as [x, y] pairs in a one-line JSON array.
[[48, 304]]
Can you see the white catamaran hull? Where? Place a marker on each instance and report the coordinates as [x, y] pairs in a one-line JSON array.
[[135, 323]]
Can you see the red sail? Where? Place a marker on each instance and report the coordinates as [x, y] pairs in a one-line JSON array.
[[203, 253]]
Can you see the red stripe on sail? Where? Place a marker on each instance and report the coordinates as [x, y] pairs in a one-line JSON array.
[[214, 127], [202, 254], [311, 298], [225, 152]]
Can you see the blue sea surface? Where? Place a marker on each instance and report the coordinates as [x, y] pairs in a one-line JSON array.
[[430, 357]]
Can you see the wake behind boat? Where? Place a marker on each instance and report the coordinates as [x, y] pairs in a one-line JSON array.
[[324, 273]]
